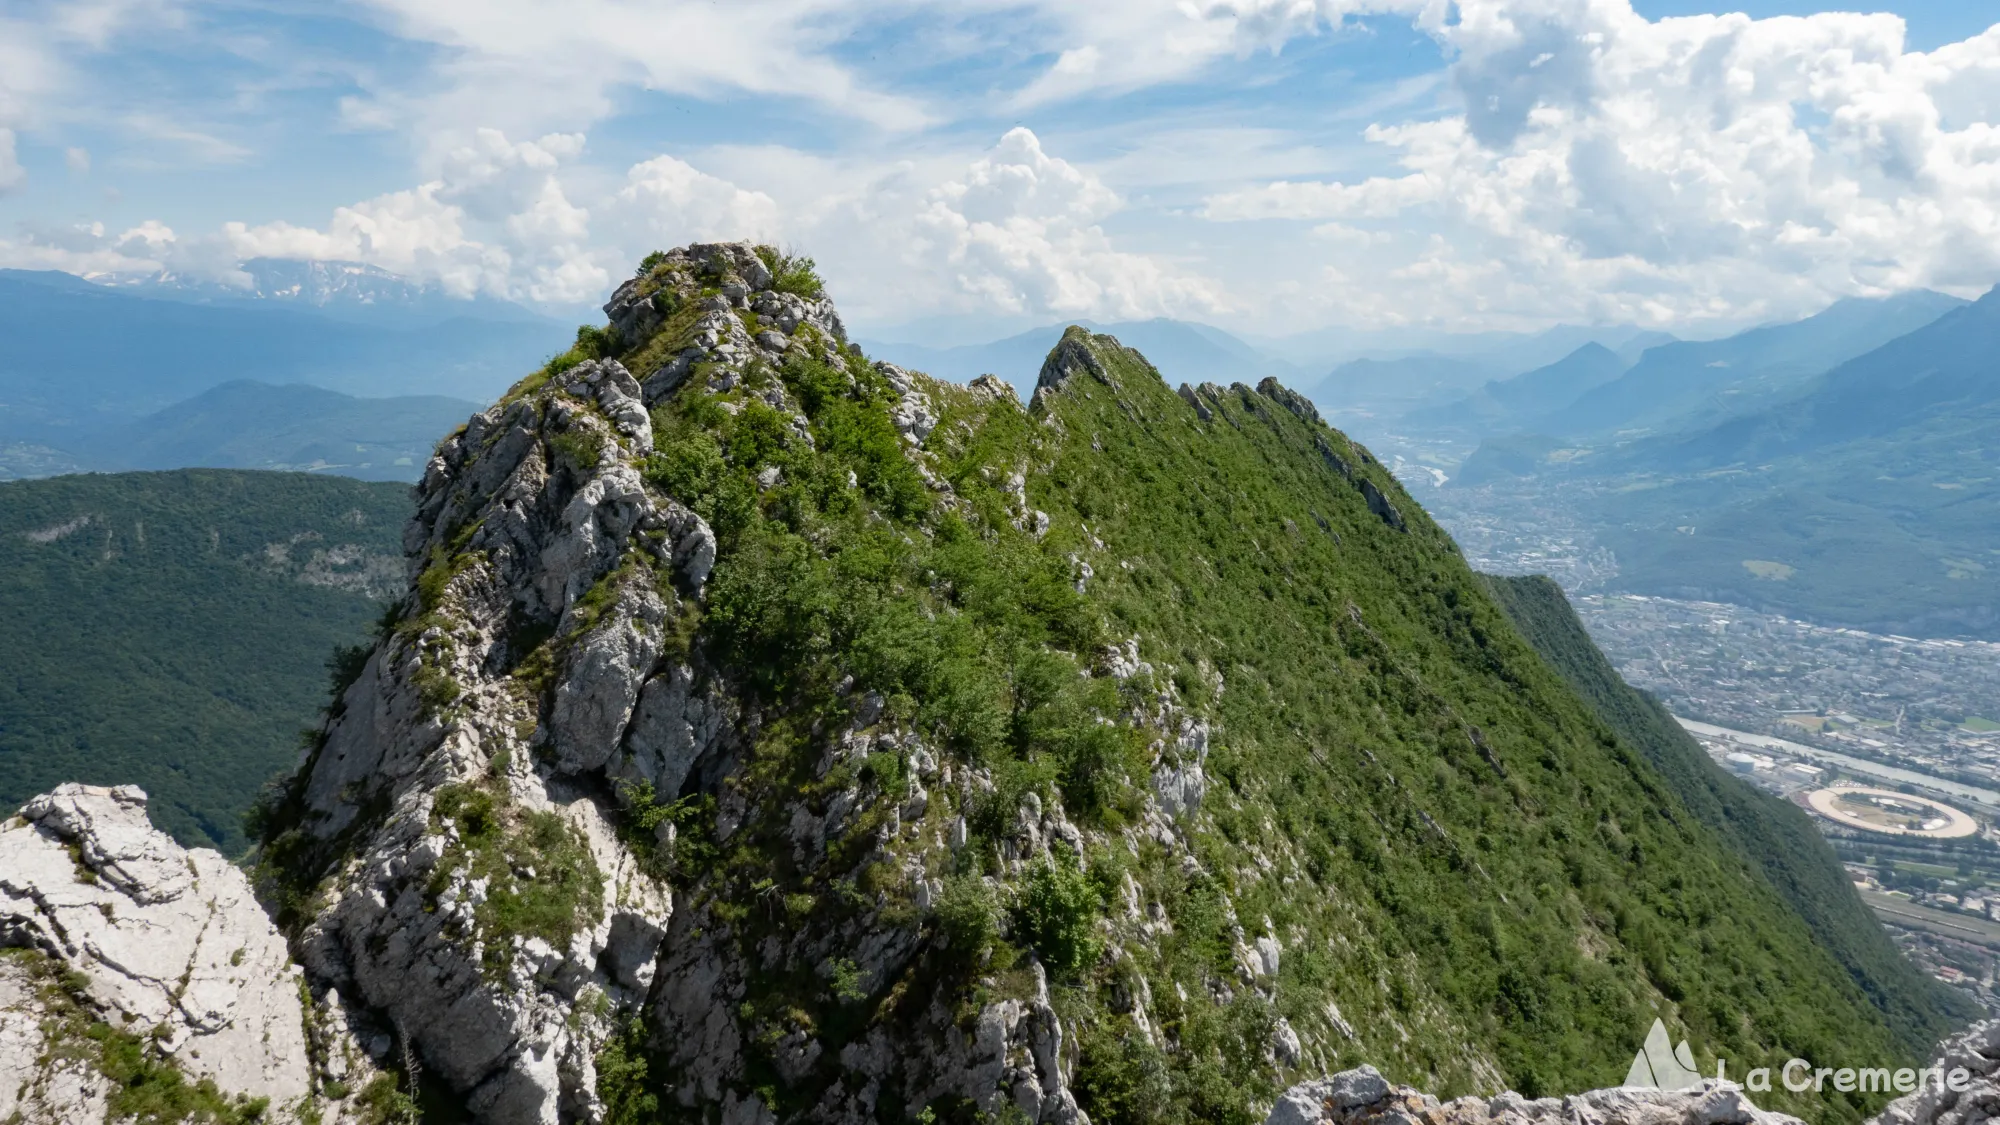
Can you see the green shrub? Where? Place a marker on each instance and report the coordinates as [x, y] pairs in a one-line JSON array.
[[846, 981], [1123, 1080], [689, 469], [383, 1102], [541, 879], [968, 918], [583, 447], [594, 342], [885, 769], [1058, 916], [628, 1081], [792, 273]]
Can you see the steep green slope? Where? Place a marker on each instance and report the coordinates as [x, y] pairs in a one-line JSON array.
[[1388, 735], [1472, 880], [1774, 835], [172, 629]]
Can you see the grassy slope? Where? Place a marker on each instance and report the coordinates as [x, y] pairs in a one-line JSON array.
[[1453, 848], [1553, 910], [1775, 835], [159, 645]]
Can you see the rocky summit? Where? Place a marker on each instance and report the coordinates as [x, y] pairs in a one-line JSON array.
[[770, 735]]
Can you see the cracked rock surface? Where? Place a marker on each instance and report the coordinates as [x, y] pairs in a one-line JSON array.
[[163, 941]]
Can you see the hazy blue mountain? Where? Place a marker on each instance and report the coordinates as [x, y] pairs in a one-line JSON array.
[[1504, 457], [1183, 351], [1505, 353], [1673, 381], [79, 361], [1504, 403], [249, 425], [1561, 382], [1396, 384], [1866, 498], [1947, 367], [339, 290]]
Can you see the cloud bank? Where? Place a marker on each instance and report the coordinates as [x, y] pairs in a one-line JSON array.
[[1573, 161], [1607, 167]]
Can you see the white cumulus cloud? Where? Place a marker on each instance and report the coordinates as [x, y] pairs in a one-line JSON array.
[[1012, 229], [497, 220], [1605, 165], [666, 202], [1020, 231]]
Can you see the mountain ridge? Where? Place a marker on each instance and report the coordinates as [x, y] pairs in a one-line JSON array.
[[1679, 378], [342, 290], [806, 709]]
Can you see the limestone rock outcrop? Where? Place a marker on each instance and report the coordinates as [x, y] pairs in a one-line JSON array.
[[1977, 1051], [1363, 1097], [476, 850], [154, 940]]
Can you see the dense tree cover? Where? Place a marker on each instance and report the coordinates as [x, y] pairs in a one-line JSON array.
[[166, 629], [1774, 835]]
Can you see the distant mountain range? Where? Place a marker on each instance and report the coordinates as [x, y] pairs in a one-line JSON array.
[[249, 425], [346, 357], [1504, 403], [1815, 469], [342, 290], [1383, 371], [1673, 381]]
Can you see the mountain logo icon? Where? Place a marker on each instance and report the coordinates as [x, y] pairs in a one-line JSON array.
[[1660, 1065]]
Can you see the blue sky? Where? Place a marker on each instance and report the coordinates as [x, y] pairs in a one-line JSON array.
[[1268, 165]]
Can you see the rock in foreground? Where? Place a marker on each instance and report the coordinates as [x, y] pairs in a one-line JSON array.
[[1977, 1050], [1363, 1097], [133, 961]]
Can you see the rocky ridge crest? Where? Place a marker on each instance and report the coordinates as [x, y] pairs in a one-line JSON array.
[[755, 744], [538, 706]]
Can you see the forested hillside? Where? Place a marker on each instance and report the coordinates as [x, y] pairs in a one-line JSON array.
[[173, 630], [1774, 835]]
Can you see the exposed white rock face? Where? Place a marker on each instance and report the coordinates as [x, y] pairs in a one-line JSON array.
[[717, 339], [913, 415], [172, 942], [1977, 1050], [541, 551], [1362, 1097]]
